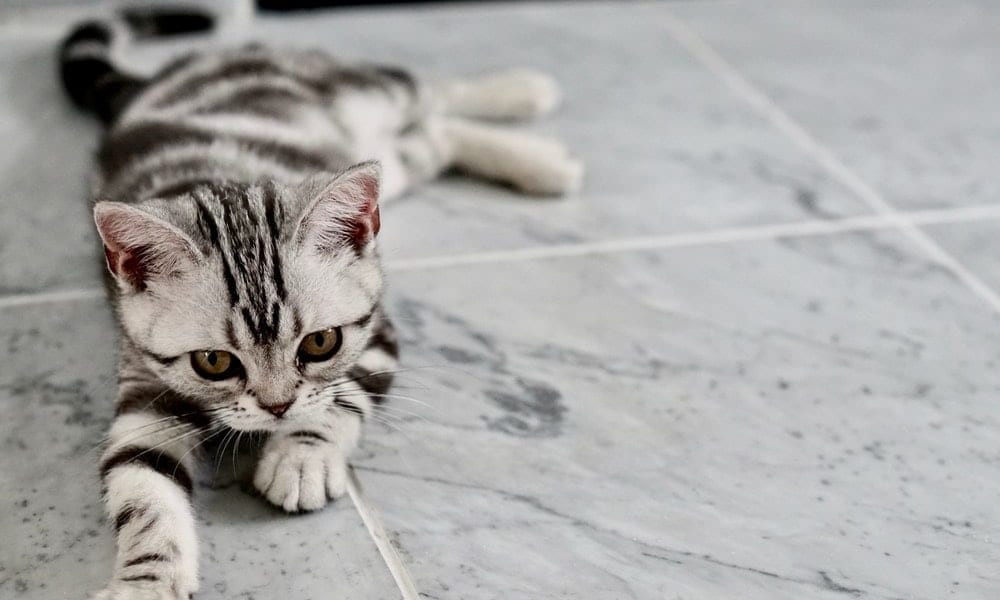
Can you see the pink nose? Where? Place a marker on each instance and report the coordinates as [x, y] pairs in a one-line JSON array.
[[277, 409]]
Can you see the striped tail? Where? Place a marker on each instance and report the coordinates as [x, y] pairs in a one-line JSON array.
[[87, 70]]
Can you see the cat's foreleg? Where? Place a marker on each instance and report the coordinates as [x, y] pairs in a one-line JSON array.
[[146, 470], [304, 467]]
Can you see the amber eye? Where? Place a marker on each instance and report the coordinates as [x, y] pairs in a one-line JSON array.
[[215, 364], [320, 345]]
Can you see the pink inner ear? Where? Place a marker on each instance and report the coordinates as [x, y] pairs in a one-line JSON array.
[[370, 185], [346, 212], [367, 225], [376, 220], [138, 247], [369, 221], [127, 266]]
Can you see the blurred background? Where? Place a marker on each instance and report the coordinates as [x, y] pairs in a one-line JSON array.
[[754, 357]]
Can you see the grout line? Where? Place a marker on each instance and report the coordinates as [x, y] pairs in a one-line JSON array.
[[69, 295], [705, 54], [751, 233], [699, 238], [374, 525]]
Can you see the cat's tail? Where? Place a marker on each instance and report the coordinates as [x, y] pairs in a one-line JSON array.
[[88, 72]]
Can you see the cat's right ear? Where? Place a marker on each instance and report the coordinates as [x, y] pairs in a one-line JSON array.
[[346, 211], [139, 246]]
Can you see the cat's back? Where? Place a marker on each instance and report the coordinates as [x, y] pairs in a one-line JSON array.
[[246, 114]]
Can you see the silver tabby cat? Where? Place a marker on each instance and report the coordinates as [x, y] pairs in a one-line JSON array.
[[238, 206]]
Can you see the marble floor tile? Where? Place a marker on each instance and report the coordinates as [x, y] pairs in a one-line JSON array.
[[46, 238], [800, 418], [55, 387], [667, 147], [974, 245], [904, 92]]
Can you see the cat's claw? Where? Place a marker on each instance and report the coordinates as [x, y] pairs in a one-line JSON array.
[[300, 477], [140, 590]]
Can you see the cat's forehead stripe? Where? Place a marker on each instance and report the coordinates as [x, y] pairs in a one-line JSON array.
[[274, 215], [243, 224]]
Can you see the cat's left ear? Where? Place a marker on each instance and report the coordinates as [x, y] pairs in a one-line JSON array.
[[346, 211], [140, 247]]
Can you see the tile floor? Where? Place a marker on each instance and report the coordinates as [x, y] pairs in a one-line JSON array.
[[756, 357]]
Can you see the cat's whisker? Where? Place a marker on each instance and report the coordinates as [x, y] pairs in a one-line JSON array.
[[393, 425], [236, 450], [169, 441], [397, 371], [397, 410], [396, 385], [156, 398], [167, 422], [134, 436], [167, 417], [401, 415], [195, 447], [394, 397], [220, 453], [447, 367]]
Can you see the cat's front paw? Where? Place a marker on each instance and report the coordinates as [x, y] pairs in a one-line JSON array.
[[140, 590], [300, 476]]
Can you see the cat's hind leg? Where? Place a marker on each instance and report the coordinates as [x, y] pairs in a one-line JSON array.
[[512, 94], [530, 163], [527, 162], [391, 117]]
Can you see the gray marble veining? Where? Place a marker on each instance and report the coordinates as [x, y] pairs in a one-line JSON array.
[[45, 225], [905, 92], [975, 245], [810, 418]]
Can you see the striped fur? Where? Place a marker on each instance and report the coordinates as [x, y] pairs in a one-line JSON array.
[[238, 204]]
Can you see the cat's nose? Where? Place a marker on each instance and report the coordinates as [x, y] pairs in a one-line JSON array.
[[277, 409]]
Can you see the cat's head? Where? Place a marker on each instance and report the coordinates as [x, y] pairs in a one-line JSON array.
[[251, 300]]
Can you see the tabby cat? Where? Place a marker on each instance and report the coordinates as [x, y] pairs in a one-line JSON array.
[[238, 204]]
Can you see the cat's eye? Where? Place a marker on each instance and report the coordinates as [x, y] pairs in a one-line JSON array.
[[320, 345], [215, 364]]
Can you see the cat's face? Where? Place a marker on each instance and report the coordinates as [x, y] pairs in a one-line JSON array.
[[262, 305]]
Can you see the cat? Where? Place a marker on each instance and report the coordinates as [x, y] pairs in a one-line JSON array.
[[237, 200]]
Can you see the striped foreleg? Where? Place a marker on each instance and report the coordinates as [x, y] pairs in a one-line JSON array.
[[147, 471]]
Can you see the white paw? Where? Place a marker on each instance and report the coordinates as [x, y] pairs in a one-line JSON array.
[[300, 476], [558, 178], [139, 590], [549, 170], [525, 93]]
